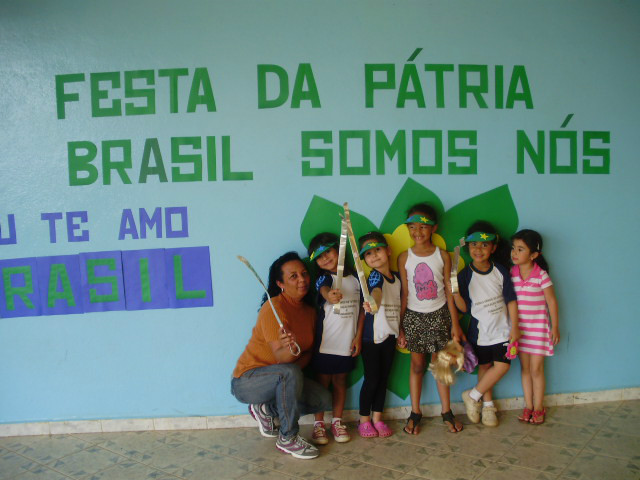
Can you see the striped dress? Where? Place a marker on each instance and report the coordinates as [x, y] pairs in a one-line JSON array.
[[533, 315]]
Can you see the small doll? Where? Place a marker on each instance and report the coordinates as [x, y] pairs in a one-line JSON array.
[[452, 354]]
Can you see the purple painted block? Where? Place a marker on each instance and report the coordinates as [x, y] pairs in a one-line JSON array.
[[59, 279], [145, 279], [19, 293], [102, 281], [189, 277]]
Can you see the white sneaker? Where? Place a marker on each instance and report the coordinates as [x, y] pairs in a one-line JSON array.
[[489, 417], [298, 447], [473, 408], [319, 435]]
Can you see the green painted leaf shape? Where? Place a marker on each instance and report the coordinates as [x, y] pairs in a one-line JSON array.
[[411, 193], [495, 206], [324, 216]]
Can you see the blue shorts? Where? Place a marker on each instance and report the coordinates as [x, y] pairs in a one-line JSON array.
[[328, 364]]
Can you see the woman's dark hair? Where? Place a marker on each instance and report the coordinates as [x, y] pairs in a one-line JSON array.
[[425, 208], [502, 255], [376, 236], [276, 275], [327, 238], [533, 240]]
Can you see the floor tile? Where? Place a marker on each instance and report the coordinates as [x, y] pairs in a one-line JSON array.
[[615, 445], [41, 473], [562, 435], [510, 472], [478, 443], [47, 448], [354, 470], [265, 474], [391, 454], [129, 470], [445, 466], [212, 466], [588, 466], [12, 464], [86, 462], [326, 462], [550, 459], [591, 416]]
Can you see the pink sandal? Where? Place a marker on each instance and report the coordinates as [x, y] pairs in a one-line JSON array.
[[525, 416], [366, 430], [383, 429], [537, 417]]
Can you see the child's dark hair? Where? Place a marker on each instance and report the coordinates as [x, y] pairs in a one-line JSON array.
[[502, 255], [375, 236], [425, 208], [533, 240], [276, 275], [327, 238]]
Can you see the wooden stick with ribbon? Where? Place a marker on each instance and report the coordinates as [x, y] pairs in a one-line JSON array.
[[356, 260]]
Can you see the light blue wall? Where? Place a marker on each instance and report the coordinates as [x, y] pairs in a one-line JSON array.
[[580, 58]]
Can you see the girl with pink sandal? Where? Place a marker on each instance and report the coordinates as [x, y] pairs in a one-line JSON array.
[[379, 334]]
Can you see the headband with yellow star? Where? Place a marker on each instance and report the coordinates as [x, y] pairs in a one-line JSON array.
[[481, 237], [420, 219], [371, 244]]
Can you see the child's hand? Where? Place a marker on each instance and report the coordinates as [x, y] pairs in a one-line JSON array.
[[555, 335], [402, 340], [457, 334], [367, 307], [356, 346], [334, 296], [514, 335]]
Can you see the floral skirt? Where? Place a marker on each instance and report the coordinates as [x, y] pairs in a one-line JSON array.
[[427, 332]]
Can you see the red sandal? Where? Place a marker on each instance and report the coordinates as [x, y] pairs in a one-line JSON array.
[[525, 416], [537, 417]]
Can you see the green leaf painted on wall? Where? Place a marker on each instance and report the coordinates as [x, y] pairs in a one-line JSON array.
[[410, 194]]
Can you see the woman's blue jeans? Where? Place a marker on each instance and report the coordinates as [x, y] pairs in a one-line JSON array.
[[285, 391]]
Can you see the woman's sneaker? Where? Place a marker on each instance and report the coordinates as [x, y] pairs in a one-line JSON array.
[[265, 421], [319, 435], [298, 447], [339, 432]]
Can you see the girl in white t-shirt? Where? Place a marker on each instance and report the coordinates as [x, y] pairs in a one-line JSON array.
[[338, 338]]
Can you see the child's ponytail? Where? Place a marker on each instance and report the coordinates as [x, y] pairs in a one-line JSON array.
[[533, 240]]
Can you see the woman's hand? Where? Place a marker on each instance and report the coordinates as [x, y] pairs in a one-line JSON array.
[[286, 338]]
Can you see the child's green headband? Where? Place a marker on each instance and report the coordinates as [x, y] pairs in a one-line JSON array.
[[419, 219], [371, 244], [481, 237], [320, 250]]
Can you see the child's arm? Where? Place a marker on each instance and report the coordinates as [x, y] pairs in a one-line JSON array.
[[332, 296], [456, 330], [404, 295], [356, 344], [552, 303], [512, 308]]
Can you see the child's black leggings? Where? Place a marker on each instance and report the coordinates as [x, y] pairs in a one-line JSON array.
[[377, 359]]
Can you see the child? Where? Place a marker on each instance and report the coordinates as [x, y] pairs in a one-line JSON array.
[[535, 293], [380, 331], [338, 338], [487, 292], [428, 313]]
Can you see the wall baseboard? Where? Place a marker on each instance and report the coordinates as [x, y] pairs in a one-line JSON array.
[[231, 421]]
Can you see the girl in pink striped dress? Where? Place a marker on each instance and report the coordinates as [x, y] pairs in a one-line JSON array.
[[536, 303]]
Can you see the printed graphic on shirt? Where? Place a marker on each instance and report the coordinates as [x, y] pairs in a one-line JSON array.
[[426, 287]]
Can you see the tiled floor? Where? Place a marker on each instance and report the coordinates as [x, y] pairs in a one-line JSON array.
[[595, 441]]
